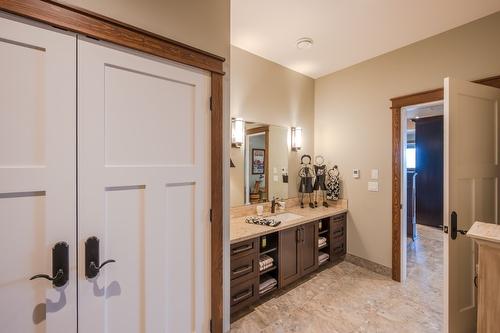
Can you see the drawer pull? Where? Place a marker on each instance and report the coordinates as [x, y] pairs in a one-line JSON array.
[[242, 269], [242, 248], [243, 295], [339, 232], [337, 248]]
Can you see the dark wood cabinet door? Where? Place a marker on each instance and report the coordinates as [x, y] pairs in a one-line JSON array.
[[429, 168], [309, 248], [289, 266]]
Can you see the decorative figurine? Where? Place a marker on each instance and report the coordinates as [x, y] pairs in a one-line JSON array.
[[333, 184], [319, 184], [306, 177]]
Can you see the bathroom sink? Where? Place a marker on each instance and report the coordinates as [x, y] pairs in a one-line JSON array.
[[273, 220], [287, 217]]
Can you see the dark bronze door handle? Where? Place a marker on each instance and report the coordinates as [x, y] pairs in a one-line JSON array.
[[92, 266], [60, 266]]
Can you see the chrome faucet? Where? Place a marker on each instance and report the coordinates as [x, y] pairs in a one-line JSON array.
[[273, 206]]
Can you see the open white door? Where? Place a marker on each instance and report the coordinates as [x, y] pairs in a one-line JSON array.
[[471, 148], [37, 177], [144, 175]]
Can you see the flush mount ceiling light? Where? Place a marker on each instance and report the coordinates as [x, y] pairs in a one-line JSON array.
[[304, 43]]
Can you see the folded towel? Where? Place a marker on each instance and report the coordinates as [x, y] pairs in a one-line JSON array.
[[323, 257], [266, 266], [265, 262], [263, 291], [267, 284], [265, 259], [321, 241]]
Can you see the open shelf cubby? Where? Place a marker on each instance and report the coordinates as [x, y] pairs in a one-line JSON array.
[[266, 277], [269, 247], [324, 228]]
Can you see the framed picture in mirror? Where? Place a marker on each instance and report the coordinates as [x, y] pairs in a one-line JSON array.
[[258, 161]]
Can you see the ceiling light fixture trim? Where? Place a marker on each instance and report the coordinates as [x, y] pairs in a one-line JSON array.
[[304, 43]]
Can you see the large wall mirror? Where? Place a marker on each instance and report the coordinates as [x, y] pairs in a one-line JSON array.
[[259, 166]]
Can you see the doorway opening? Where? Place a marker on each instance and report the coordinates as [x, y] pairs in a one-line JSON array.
[[422, 197]]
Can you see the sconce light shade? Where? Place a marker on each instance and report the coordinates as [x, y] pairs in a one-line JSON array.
[[296, 138], [237, 132]]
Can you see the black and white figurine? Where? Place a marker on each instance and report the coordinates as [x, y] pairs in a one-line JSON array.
[[306, 178], [319, 183], [333, 184]]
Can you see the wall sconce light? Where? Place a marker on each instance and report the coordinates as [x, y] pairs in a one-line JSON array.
[[237, 132], [296, 142]]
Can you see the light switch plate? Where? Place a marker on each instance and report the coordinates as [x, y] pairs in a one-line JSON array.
[[374, 174], [373, 186], [275, 178], [355, 173]]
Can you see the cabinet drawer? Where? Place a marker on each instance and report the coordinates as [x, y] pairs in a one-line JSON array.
[[244, 268], [339, 218], [244, 248], [244, 294], [338, 230], [338, 247]]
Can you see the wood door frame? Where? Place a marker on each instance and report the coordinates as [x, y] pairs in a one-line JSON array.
[[397, 103], [265, 130], [99, 27]]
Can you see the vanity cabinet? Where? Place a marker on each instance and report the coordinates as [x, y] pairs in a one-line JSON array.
[[295, 252], [298, 252]]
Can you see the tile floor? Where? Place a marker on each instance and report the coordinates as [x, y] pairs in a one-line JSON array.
[[347, 298]]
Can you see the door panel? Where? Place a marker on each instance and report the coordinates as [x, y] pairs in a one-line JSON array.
[[471, 124], [37, 175], [289, 256], [143, 191], [309, 246]]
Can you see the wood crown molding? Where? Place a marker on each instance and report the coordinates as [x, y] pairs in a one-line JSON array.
[[97, 26]]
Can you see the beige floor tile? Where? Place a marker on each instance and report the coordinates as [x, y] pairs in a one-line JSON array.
[[347, 298]]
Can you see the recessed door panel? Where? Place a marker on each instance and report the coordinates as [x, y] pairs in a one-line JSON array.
[[471, 125], [143, 127], [37, 175]]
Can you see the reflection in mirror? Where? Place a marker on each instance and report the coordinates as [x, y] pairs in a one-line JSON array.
[[260, 169]]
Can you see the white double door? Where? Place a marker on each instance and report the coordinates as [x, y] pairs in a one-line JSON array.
[[101, 142]]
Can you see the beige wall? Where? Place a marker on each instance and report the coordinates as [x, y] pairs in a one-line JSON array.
[[265, 92], [353, 121]]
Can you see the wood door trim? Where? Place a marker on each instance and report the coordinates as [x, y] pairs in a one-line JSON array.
[[78, 20], [217, 167], [94, 25], [396, 104]]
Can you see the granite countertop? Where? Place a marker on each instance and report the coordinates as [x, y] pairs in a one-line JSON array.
[[240, 230], [485, 232]]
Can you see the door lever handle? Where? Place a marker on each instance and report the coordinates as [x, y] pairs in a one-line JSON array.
[[92, 266], [60, 266], [454, 228], [58, 275], [98, 268]]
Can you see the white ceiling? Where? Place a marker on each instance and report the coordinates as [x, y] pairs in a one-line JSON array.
[[426, 110], [345, 32]]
